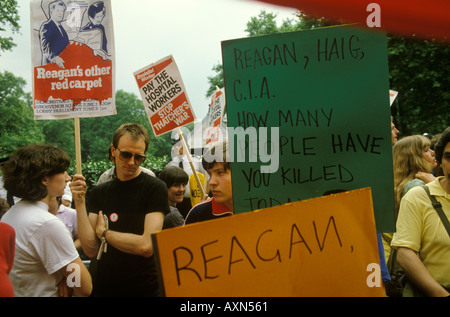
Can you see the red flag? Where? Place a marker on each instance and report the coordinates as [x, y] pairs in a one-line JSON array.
[[423, 19]]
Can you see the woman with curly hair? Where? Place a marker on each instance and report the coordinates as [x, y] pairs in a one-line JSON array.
[[45, 254]]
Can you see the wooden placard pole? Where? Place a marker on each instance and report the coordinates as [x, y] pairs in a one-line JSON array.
[[77, 145], [188, 155]]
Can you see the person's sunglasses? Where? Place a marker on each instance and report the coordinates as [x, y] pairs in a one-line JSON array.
[[126, 156]]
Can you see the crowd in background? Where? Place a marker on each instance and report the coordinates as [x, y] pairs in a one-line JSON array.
[[47, 221]]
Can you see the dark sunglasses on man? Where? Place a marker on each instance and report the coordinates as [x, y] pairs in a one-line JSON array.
[[126, 156]]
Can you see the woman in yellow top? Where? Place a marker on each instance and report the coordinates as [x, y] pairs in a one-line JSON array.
[[422, 239]]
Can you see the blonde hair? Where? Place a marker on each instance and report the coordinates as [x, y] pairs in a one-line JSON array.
[[408, 161], [135, 130]]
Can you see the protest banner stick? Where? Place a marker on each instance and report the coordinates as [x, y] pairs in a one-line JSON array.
[[188, 155], [77, 144]]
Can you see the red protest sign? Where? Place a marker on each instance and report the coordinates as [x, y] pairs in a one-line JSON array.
[[73, 59], [90, 77], [164, 96], [214, 132]]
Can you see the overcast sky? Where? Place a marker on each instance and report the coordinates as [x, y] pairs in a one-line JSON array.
[[148, 30]]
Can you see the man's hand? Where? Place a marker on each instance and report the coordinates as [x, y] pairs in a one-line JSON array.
[[63, 289], [100, 226], [78, 188]]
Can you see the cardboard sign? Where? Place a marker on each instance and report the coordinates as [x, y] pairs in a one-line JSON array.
[[317, 106], [196, 192], [164, 95], [215, 131], [73, 59], [325, 246], [392, 95]]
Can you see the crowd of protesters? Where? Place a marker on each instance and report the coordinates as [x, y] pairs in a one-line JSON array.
[[39, 252]]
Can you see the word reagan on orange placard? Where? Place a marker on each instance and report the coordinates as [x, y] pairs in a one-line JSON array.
[[325, 246], [164, 96]]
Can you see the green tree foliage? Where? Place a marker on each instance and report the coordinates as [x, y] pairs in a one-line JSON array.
[[17, 125], [266, 24], [60, 133], [263, 24], [307, 22], [9, 18], [96, 133], [215, 80], [420, 71]]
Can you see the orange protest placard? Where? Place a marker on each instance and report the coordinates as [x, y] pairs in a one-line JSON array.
[[325, 246]]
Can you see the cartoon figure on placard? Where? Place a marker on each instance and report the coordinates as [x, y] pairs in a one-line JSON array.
[[74, 22], [94, 32], [52, 36]]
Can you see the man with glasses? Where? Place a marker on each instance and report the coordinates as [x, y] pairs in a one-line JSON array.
[[123, 213], [110, 174]]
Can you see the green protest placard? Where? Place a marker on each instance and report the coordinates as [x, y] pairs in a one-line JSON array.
[[308, 115]]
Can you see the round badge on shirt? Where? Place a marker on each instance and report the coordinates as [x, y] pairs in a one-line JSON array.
[[114, 217]]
